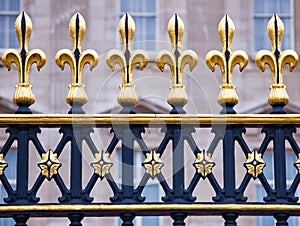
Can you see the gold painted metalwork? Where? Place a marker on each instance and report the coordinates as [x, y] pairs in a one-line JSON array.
[[127, 59], [23, 59], [153, 164], [276, 59], [204, 164], [102, 164], [76, 59], [177, 59], [3, 164], [297, 163], [49, 164], [106, 120], [255, 163], [226, 61], [139, 209]]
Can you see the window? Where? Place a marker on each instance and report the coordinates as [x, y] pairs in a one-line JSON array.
[[144, 14], [9, 11], [263, 11], [268, 172]]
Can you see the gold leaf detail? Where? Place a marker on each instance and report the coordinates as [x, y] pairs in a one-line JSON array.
[[101, 164], [226, 60], [23, 59], [297, 164], [204, 164], [76, 59], [153, 164], [49, 164], [127, 59], [276, 59], [176, 60], [254, 164], [3, 164]]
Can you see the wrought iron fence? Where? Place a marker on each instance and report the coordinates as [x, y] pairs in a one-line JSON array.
[[127, 128]]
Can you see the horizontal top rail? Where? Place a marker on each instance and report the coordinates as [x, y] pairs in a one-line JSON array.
[[106, 120], [150, 209]]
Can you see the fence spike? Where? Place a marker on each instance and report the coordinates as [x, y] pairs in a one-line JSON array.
[[276, 59], [23, 59], [177, 59], [76, 59], [127, 59], [227, 61]]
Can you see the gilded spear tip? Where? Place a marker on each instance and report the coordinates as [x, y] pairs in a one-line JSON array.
[[77, 29], [226, 31], [176, 31], [275, 31], [23, 27], [126, 30]]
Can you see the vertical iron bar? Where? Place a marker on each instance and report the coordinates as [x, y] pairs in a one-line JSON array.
[[178, 172], [230, 219], [281, 219], [75, 219], [21, 219], [178, 162], [127, 164], [127, 219], [76, 164], [229, 165], [229, 174], [280, 173], [22, 164], [178, 219], [279, 163]]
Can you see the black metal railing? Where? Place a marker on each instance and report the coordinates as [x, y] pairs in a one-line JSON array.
[[179, 199]]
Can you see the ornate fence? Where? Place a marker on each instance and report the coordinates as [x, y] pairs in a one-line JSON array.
[[127, 127]]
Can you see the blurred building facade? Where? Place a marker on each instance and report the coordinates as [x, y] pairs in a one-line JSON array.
[[50, 33]]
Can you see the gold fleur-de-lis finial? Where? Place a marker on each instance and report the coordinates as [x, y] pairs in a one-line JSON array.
[[76, 59], [127, 59], [177, 59], [276, 59], [23, 59], [227, 61]]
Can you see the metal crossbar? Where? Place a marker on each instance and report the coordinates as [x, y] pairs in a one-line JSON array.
[[156, 120], [149, 209]]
